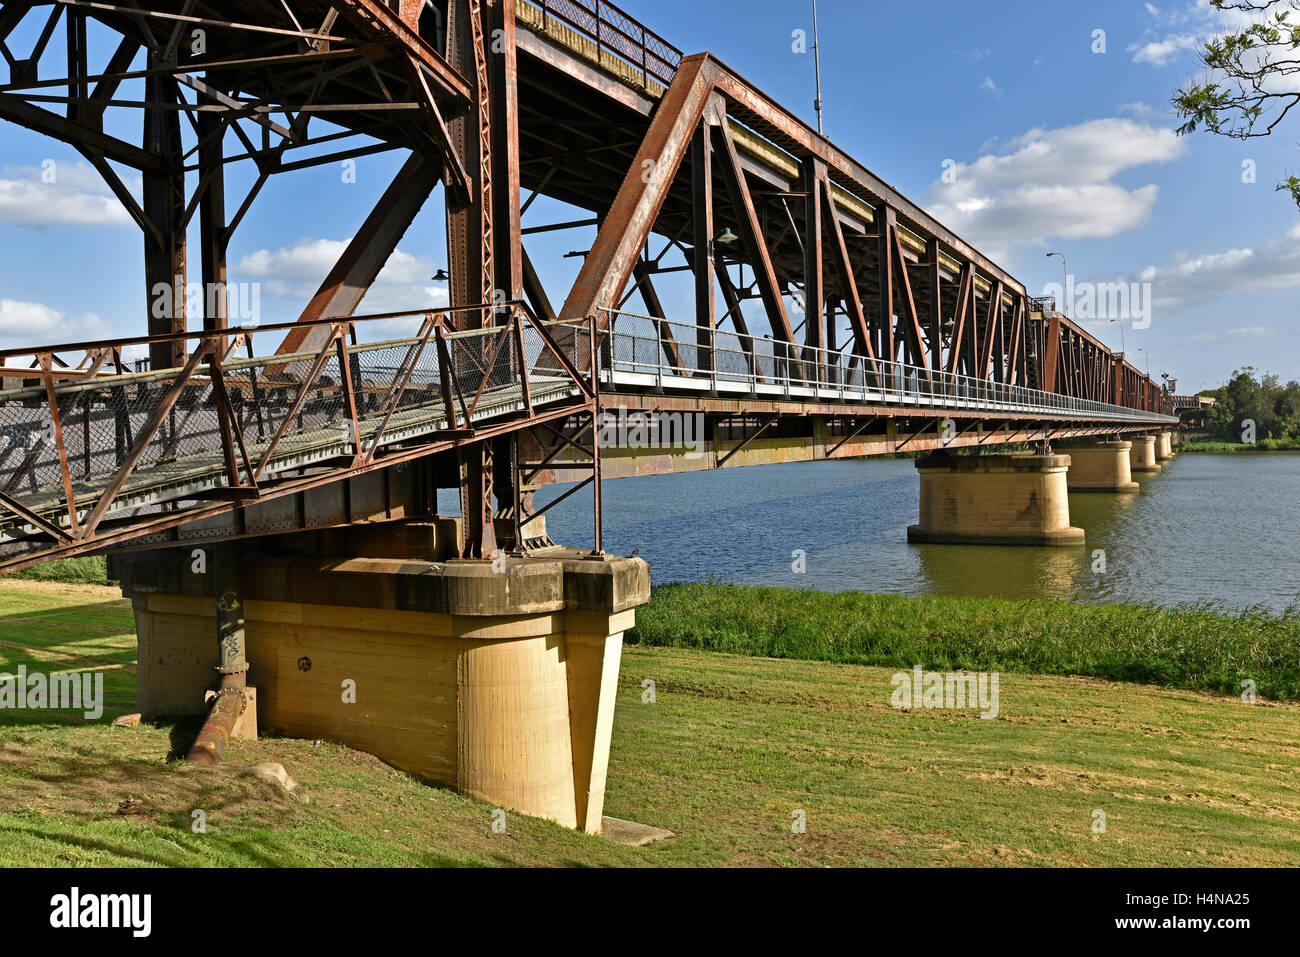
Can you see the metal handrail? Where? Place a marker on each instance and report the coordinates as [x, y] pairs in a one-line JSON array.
[[797, 371], [612, 29]]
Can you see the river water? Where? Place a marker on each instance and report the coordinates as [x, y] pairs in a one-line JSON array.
[[1211, 528]]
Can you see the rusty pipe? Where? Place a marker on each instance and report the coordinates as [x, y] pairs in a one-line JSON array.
[[232, 665], [226, 709]]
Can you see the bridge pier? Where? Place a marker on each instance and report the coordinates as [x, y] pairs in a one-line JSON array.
[[995, 500], [497, 679], [1101, 467], [1164, 447], [1142, 457]]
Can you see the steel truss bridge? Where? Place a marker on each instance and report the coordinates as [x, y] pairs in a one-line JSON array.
[[824, 301]]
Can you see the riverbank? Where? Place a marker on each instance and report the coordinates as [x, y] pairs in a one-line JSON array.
[[1202, 649], [729, 753], [1221, 447]]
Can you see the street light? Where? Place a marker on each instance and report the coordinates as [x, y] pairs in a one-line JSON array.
[[1148, 361], [1123, 349], [1065, 277], [817, 61]]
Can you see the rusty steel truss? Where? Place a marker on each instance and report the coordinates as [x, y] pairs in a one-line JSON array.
[[807, 268]]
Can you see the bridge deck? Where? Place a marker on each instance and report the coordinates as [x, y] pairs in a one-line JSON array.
[[119, 446]]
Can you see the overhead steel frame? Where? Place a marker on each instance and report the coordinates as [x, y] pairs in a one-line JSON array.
[[437, 78], [907, 289], [442, 79]]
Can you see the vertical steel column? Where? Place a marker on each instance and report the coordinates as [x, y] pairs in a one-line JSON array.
[[706, 309], [164, 208], [212, 221]]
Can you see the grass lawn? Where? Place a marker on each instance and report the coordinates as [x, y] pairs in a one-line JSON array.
[[731, 748]]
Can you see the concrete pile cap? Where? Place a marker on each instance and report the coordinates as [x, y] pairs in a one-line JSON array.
[[513, 586], [946, 462]]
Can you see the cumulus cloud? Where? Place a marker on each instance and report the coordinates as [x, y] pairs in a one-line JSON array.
[[27, 323], [1056, 183], [1160, 52], [294, 273], [60, 193], [1191, 279]]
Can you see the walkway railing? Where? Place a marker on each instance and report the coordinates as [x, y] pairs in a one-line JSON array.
[[615, 31], [647, 352], [81, 450]]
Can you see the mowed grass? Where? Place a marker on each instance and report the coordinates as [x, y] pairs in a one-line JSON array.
[[729, 750], [1201, 649]]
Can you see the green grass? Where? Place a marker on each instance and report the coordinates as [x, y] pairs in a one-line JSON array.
[[731, 747], [1218, 446], [1199, 649], [91, 570]]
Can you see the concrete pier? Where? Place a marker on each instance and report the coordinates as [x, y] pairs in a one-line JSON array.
[[498, 680], [1164, 447], [1142, 457], [995, 500], [1101, 467]]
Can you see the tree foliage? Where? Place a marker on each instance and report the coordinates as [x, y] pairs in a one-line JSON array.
[[1272, 406], [1253, 79]]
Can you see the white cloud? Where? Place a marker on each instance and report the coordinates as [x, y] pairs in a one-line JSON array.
[[295, 272], [1191, 279], [1160, 52], [988, 84], [33, 323], [61, 194], [1181, 28], [1244, 334], [1055, 183]]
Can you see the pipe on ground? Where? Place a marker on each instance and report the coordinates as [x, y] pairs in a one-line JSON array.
[[228, 705]]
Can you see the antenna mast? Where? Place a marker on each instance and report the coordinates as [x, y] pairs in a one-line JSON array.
[[817, 59]]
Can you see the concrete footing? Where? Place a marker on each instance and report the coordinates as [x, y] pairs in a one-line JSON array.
[[1142, 457], [1101, 467], [995, 500], [497, 680], [1164, 447]]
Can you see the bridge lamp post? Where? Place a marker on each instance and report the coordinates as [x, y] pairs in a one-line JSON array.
[[1065, 277], [1123, 349], [443, 276]]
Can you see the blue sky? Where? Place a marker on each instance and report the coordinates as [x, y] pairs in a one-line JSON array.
[[1054, 147]]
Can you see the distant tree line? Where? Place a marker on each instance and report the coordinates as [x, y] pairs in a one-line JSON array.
[[1264, 400]]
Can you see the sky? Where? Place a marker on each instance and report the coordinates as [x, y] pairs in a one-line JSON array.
[[1025, 127]]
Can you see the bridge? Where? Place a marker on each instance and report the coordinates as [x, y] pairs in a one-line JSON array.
[[276, 485]]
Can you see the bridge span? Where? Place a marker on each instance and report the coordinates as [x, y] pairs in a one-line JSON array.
[[276, 484]]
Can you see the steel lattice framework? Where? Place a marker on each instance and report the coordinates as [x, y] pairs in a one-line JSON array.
[[682, 165]]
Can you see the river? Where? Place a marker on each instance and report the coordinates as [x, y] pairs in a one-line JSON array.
[[1222, 529]]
